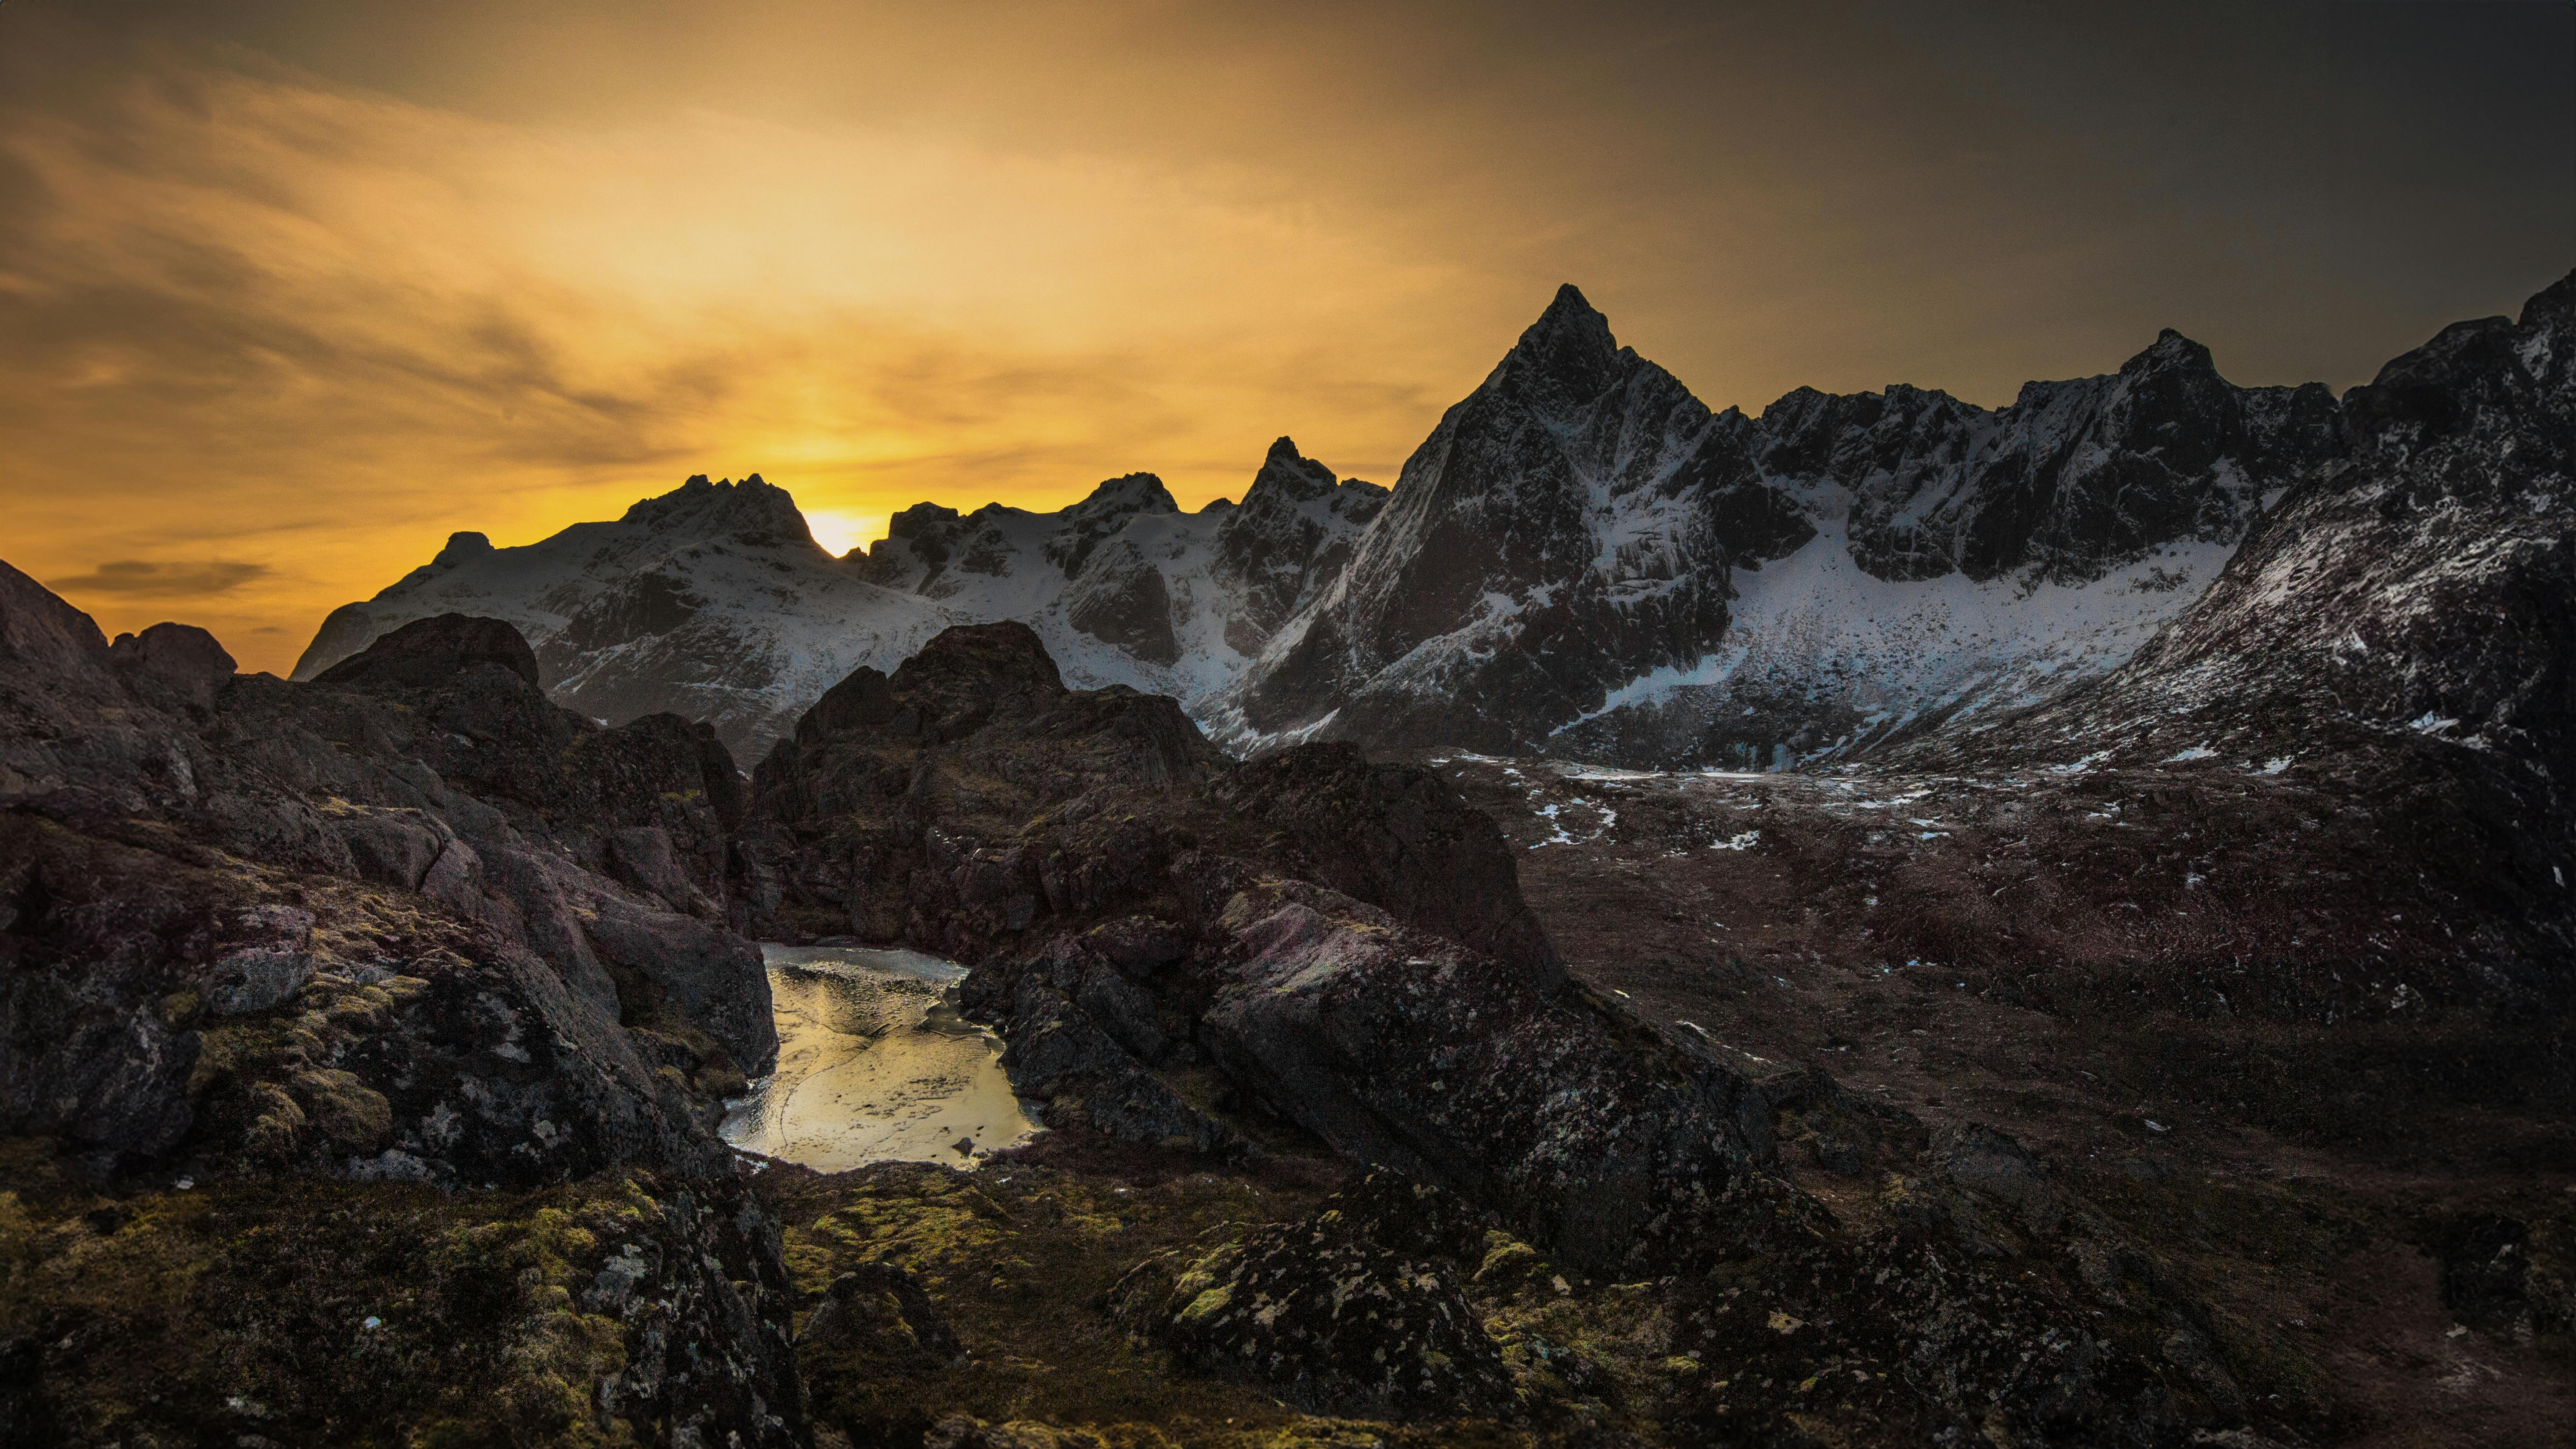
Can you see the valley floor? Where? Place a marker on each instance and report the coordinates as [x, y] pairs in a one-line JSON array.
[[2323, 1153]]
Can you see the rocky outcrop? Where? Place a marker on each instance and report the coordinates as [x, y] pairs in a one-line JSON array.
[[430, 654], [306, 950], [414, 921], [1355, 1309], [922, 806], [1396, 837]]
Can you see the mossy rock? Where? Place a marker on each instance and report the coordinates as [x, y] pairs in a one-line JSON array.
[[301, 1311]]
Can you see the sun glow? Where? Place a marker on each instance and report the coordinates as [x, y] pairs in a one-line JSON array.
[[840, 532]]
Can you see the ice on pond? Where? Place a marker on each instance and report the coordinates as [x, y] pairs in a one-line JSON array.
[[875, 1065]]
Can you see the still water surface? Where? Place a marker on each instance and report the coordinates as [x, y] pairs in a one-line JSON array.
[[875, 1064]]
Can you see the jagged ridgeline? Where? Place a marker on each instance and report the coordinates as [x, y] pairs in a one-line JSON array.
[[714, 602], [1581, 559]]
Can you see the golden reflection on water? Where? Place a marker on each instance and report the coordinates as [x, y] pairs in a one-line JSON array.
[[875, 1064]]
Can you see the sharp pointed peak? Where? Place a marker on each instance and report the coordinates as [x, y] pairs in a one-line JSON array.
[[2170, 349], [1567, 355], [1285, 472], [1569, 298], [1570, 312]]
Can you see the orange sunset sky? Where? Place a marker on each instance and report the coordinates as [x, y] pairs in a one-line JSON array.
[[290, 291]]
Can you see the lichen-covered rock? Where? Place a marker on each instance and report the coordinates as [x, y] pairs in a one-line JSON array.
[[627, 1309], [408, 1044], [965, 1431], [1356, 1308]]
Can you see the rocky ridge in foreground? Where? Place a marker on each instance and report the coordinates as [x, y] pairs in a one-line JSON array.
[[408, 944], [1235, 990]]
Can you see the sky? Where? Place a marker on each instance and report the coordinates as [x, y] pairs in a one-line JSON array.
[[292, 289]]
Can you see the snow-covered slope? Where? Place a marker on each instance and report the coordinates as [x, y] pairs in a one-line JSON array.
[[1583, 559], [1124, 587], [2423, 588], [2399, 631], [711, 601], [714, 602]]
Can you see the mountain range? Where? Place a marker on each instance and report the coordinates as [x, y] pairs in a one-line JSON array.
[[1583, 560]]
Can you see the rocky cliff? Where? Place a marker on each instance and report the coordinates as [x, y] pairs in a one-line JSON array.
[[310, 949]]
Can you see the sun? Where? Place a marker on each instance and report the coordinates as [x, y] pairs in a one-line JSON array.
[[841, 532]]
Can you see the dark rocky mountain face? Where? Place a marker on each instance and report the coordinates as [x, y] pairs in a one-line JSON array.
[[1580, 524], [2400, 626], [2071, 478], [1289, 539], [1487, 597]]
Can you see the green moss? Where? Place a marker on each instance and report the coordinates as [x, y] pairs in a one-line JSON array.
[[306, 1311], [345, 1109]]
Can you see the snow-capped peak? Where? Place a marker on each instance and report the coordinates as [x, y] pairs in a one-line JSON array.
[[753, 512]]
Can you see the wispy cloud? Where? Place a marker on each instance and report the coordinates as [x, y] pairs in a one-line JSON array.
[[138, 579]]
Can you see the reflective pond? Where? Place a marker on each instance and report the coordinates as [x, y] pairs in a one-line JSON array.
[[875, 1064]]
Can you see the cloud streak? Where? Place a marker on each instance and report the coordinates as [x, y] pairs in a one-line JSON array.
[[141, 579]]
